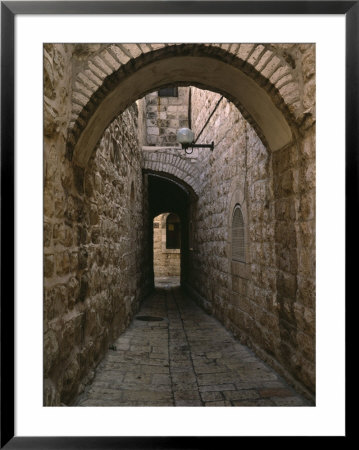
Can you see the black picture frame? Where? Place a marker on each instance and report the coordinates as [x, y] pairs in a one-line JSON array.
[[9, 9]]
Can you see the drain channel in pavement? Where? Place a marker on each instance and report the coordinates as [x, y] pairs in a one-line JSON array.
[[149, 318]]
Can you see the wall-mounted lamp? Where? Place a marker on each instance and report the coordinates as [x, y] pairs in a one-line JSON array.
[[185, 137]]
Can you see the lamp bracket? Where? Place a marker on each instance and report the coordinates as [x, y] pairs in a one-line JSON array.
[[192, 145]]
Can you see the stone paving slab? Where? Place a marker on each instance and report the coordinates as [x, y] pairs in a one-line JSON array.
[[186, 359]]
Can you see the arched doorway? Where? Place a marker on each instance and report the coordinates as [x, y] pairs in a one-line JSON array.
[[251, 76], [167, 250]]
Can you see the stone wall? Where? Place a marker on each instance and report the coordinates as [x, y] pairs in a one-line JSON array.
[[268, 301], [94, 230], [294, 188], [166, 262], [165, 115]]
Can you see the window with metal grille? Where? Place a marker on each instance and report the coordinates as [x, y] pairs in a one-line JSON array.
[[168, 92], [238, 241], [173, 232]]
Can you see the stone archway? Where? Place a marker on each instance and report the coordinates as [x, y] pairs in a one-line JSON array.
[[89, 256], [169, 163], [256, 78]]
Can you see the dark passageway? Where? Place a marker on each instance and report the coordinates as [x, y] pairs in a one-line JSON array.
[[168, 195]]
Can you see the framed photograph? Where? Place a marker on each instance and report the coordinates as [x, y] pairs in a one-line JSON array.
[[176, 182]]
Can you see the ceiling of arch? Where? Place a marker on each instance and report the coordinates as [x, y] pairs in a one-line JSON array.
[[166, 196]]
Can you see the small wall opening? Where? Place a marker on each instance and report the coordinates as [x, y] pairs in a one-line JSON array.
[[167, 250], [238, 235]]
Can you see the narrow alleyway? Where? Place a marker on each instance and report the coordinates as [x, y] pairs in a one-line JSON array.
[[174, 354]]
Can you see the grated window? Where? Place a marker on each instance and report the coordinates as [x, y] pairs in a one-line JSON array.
[[171, 91], [238, 241], [173, 232]]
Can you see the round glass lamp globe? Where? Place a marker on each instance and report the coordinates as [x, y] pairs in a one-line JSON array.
[[185, 136]]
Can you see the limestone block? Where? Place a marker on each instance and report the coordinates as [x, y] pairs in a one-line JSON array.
[[309, 93], [51, 397], [49, 265], [271, 66], [263, 60], [284, 80], [51, 350], [47, 234], [286, 258], [286, 285], [73, 256], [93, 77], [306, 344], [308, 62], [62, 263], [284, 185], [154, 131], [306, 232], [285, 209], [281, 72], [307, 262], [256, 54], [244, 51], [289, 92], [307, 207]]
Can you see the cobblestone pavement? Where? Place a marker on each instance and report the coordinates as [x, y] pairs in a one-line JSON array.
[[186, 359]]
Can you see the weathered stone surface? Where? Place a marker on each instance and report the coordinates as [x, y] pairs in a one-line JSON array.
[[128, 376], [164, 116], [280, 189], [95, 218], [86, 225]]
